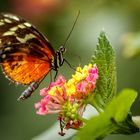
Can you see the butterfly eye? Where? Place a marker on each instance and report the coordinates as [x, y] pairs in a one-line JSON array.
[[62, 49]]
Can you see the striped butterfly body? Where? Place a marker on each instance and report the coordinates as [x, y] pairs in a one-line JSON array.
[[26, 55]]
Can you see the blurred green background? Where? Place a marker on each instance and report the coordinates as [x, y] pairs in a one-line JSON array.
[[18, 120]]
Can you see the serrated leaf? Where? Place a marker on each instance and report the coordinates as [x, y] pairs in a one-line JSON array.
[[102, 125], [105, 59]]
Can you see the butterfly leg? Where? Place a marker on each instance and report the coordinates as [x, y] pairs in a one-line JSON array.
[[55, 75], [72, 67], [50, 78]]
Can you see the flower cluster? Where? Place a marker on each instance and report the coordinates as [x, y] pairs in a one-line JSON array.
[[67, 99]]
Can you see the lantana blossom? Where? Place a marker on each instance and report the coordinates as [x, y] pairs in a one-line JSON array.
[[68, 98]]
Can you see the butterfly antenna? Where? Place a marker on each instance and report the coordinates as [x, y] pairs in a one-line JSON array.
[[71, 29]]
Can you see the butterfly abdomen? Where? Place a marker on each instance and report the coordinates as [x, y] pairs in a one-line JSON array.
[[27, 93]]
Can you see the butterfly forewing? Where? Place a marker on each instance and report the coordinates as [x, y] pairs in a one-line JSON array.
[[25, 54]]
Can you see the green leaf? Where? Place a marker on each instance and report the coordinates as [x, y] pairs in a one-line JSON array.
[[120, 106], [112, 119], [106, 84]]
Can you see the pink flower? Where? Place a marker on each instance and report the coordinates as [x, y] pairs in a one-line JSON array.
[[52, 104], [81, 87], [44, 91], [93, 74], [67, 98], [59, 82], [87, 85]]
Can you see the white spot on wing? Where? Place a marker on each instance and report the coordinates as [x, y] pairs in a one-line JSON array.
[[7, 49], [8, 33], [14, 28], [21, 26], [26, 38], [15, 18], [11, 16], [7, 20], [1, 23], [9, 43], [3, 56], [27, 24]]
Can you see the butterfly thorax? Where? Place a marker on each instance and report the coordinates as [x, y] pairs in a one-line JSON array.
[[58, 59]]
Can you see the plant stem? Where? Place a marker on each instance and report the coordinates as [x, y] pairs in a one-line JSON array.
[[95, 106], [83, 119]]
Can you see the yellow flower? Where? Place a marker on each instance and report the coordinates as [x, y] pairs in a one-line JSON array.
[[53, 91], [71, 89], [70, 86], [67, 99], [80, 73]]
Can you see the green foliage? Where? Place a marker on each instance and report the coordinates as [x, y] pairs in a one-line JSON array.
[[105, 59], [119, 107], [111, 120], [115, 116]]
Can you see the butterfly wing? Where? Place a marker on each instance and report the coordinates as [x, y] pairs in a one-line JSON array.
[[25, 54]]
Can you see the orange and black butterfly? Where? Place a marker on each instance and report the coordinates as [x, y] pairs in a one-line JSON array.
[[26, 56]]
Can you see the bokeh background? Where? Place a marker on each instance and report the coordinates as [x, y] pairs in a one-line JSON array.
[[54, 18]]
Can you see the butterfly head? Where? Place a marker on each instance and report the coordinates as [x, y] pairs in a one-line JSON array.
[[62, 49]]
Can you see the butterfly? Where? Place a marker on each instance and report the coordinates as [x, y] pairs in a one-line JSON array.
[[26, 55]]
